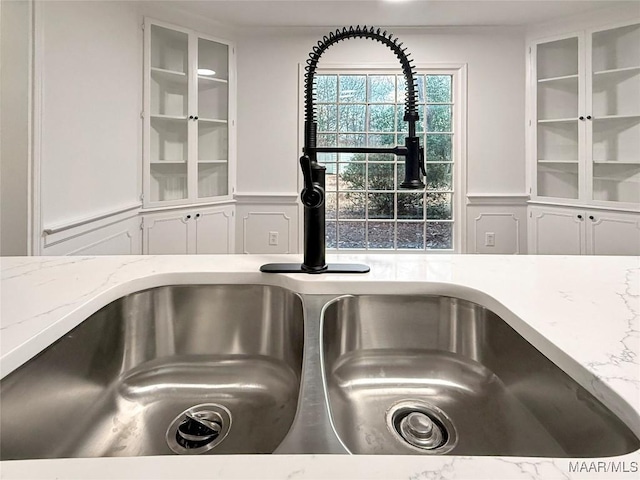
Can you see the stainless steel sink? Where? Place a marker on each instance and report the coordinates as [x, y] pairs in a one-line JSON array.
[[178, 369], [439, 375]]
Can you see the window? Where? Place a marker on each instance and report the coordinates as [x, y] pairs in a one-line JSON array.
[[365, 207]]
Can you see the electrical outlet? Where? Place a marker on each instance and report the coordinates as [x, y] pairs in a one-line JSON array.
[[273, 238], [489, 239]]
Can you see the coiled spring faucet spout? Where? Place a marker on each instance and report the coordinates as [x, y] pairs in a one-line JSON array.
[[312, 196]]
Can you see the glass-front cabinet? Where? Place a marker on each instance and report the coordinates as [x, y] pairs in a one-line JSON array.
[[188, 121], [586, 117]]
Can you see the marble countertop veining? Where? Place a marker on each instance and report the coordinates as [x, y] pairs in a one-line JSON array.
[[582, 312]]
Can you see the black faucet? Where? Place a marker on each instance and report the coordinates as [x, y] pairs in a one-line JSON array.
[[312, 196]]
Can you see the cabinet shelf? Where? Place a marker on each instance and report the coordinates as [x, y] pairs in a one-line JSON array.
[[212, 80], [168, 118], [559, 120], [614, 162], [213, 120], [167, 162], [617, 117], [212, 161], [614, 71], [172, 76], [551, 162], [558, 79]]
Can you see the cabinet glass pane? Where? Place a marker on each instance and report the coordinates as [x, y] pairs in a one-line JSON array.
[[168, 181], [616, 114], [213, 76], [557, 59], [212, 179], [169, 50], [558, 180]]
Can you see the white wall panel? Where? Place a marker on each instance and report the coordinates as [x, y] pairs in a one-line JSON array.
[[502, 216]]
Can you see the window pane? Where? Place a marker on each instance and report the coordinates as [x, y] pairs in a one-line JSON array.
[[331, 180], [410, 235], [438, 88], [411, 206], [353, 89], [327, 140], [439, 118], [327, 88], [352, 140], [351, 234], [380, 234], [327, 157], [327, 118], [352, 118], [382, 88], [439, 206], [380, 205], [439, 176], [351, 205], [332, 241], [330, 203], [382, 157], [438, 148], [352, 176], [439, 235], [381, 118], [381, 176], [381, 140]]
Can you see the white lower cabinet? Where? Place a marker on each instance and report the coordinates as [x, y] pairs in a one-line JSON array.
[[193, 230], [575, 231]]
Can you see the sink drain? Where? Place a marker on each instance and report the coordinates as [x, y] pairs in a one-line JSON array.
[[199, 429], [422, 426]]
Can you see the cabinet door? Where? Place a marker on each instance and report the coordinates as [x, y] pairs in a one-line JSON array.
[[557, 106], [613, 233], [556, 231], [166, 234], [614, 115], [166, 137], [213, 74], [214, 230]]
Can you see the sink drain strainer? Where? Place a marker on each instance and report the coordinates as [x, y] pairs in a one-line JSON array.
[[422, 426], [199, 429]]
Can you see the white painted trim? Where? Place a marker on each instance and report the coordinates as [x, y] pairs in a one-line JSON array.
[[497, 199], [37, 109], [80, 222], [80, 228], [479, 217], [583, 206], [267, 198], [190, 206]]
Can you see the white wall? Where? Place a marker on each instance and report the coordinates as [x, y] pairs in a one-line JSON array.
[[15, 30]]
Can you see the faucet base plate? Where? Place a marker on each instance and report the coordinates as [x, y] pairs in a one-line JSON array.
[[331, 268]]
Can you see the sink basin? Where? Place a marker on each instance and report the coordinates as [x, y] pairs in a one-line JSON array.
[[440, 375], [177, 369]]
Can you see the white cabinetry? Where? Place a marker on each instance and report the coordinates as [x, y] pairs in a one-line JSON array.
[[584, 141], [574, 231], [189, 117], [185, 231]]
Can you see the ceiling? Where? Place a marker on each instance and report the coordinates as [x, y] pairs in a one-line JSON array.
[[300, 13]]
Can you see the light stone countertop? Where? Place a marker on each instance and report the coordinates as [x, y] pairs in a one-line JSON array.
[[581, 312]]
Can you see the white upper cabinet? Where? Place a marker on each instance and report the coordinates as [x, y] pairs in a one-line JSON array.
[[188, 117], [585, 128]]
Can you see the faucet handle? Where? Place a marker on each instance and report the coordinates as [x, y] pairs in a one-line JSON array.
[[312, 195]]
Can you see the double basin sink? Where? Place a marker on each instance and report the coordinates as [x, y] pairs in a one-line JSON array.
[[224, 369]]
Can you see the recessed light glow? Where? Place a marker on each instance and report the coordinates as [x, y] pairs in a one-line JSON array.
[[205, 71]]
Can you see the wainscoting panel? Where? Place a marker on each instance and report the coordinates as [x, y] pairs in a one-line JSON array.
[[497, 219], [267, 223], [120, 238]]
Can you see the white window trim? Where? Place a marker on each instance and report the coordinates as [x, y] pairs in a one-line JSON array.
[[459, 92]]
